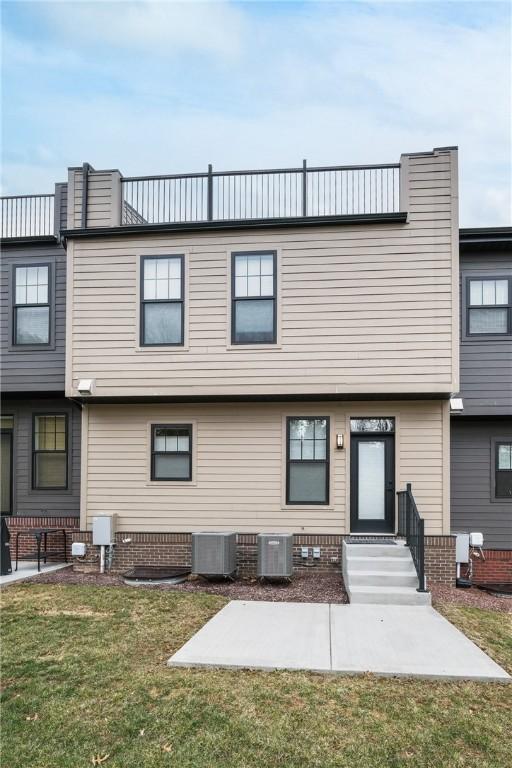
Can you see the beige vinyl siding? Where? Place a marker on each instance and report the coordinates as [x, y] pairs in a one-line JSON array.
[[239, 466], [361, 308]]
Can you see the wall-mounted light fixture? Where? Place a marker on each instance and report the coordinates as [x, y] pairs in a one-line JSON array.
[[456, 404], [339, 440]]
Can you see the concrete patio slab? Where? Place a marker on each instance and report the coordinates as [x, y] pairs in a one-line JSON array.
[[261, 635], [405, 641], [27, 569], [386, 640]]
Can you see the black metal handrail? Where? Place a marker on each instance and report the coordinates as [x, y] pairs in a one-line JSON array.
[[412, 526], [27, 216], [342, 190]]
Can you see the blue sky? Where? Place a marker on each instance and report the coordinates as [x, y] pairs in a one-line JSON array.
[[163, 87]]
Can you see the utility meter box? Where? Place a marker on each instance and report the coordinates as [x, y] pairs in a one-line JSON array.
[[103, 530], [476, 539], [462, 547]]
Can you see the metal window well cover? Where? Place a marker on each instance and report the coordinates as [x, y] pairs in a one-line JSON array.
[[156, 574]]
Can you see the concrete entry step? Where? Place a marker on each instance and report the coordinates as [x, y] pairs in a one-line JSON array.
[[379, 563], [376, 550], [371, 595], [405, 578]]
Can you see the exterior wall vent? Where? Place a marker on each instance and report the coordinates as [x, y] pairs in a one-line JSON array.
[[275, 555], [214, 554]]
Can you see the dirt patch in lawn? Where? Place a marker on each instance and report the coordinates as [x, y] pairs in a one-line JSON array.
[[304, 587]]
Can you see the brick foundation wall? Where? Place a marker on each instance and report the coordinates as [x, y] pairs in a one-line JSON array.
[[440, 560], [495, 569], [175, 549], [27, 544]]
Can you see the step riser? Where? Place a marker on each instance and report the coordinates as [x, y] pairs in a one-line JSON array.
[[383, 580], [376, 550], [412, 598], [397, 565]]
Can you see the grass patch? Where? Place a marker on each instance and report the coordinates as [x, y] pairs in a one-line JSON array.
[[84, 676]]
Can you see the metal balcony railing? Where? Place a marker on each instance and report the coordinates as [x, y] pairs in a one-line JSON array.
[[266, 194], [27, 216]]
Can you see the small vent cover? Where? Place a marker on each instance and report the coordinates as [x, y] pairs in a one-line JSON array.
[[275, 555], [214, 554]]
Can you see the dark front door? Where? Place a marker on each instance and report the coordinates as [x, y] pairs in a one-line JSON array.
[[372, 483], [6, 472]]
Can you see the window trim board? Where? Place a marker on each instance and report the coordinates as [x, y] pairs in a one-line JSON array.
[[326, 461], [466, 290], [495, 441], [142, 301], [34, 452], [190, 453], [13, 346], [274, 298]]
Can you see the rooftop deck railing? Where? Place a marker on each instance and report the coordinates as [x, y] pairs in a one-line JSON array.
[[266, 194], [24, 216]]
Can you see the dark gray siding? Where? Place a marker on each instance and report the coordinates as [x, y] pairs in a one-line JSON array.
[[472, 508], [27, 502], [485, 364], [29, 370]]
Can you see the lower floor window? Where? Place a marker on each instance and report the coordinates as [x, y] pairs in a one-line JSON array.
[[503, 470], [50, 452], [171, 452], [307, 465]]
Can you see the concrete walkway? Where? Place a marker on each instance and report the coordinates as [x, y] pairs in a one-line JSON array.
[[388, 640], [27, 569]]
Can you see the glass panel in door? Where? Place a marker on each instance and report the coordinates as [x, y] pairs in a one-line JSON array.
[[371, 480]]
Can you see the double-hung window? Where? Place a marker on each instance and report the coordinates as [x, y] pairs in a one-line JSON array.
[[50, 452], [307, 460], [503, 470], [31, 321], [253, 293], [171, 452], [162, 304], [489, 309]]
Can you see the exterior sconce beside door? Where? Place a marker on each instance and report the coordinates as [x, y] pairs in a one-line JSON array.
[[339, 440]]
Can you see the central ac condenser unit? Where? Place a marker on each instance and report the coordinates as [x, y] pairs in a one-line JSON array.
[[275, 555], [214, 554]]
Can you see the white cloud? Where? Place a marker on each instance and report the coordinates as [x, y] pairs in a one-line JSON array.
[[329, 85]]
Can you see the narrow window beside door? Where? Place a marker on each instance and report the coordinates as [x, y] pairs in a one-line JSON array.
[[162, 301], [31, 321], [307, 465], [50, 452], [171, 452], [253, 293]]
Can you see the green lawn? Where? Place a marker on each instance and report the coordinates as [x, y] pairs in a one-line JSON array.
[[84, 676]]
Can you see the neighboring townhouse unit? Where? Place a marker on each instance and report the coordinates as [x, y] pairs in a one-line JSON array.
[[264, 351], [40, 428], [482, 434]]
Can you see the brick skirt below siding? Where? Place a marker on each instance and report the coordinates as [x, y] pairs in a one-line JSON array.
[[176, 549], [440, 560], [495, 569], [27, 544]]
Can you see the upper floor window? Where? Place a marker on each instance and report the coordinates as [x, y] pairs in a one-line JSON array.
[[503, 470], [50, 452], [171, 452], [489, 306], [253, 293], [31, 305], [162, 305]]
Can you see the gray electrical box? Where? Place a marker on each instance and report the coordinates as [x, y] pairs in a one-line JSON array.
[[275, 555], [103, 530], [214, 554]]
